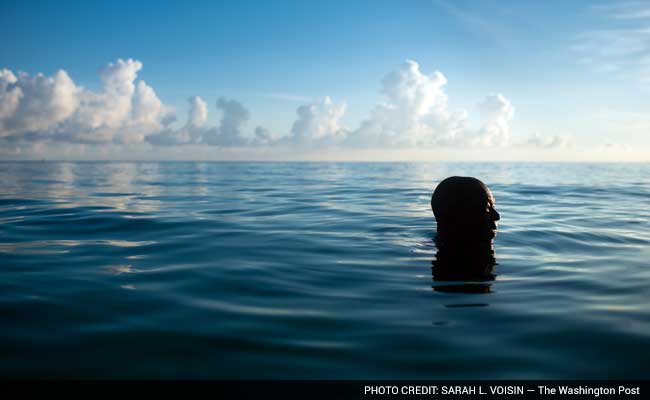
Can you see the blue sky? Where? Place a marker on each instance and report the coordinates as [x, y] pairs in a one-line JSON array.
[[575, 74]]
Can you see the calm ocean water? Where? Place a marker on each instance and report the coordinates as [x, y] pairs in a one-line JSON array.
[[317, 270]]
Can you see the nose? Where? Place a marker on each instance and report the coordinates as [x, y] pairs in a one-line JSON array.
[[495, 215]]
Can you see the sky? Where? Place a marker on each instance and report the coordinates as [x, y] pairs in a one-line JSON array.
[[336, 80]]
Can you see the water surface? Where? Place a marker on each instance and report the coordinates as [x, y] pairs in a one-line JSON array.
[[317, 270]]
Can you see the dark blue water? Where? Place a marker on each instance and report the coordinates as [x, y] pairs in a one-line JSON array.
[[317, 270]]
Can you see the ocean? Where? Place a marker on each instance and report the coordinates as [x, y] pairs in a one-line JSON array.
[[227, 270]]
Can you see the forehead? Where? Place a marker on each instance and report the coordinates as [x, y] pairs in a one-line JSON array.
[[479, 196], [474, 196]]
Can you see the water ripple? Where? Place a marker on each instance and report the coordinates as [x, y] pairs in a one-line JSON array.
[[245, 270]]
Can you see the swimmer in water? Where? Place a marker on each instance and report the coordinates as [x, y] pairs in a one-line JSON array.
[[466, 225]]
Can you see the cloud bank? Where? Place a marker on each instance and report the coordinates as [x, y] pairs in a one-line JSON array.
[[54, 108], [125, 111]]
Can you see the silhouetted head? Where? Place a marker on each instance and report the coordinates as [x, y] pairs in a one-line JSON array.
[[466, 218], [464, 211]]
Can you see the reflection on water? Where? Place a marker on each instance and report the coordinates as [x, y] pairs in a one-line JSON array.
[[120, 269], [463, 287], [247, 270], [57, 246], [466, 304], [471, 270]]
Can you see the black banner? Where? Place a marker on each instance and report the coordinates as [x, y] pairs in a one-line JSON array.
[[370, 390]]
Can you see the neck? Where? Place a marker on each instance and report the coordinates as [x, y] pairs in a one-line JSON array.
[[463, 260]]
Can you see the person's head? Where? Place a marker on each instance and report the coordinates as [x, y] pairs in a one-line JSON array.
[[464, 211]]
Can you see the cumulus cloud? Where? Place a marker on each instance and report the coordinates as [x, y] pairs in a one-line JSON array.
[[111, 107], [415, 112], [497, 114], [318, 122], [190, 133], [198, 111], [147, 107], [228, 133], [122, 112], [33, 104], [126, 110], [54, 108], [10, 95], [263, 137]]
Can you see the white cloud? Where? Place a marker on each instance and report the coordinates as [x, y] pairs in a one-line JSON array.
[[33, 104], [55, 108], [111, 107], [191, 133], [417, 114], [198, 111], [125, 110], [263, 137], [229, 132], [414, 114], [318, 122], [10, 95], [497, 114], [147, 107], [122, 112]]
